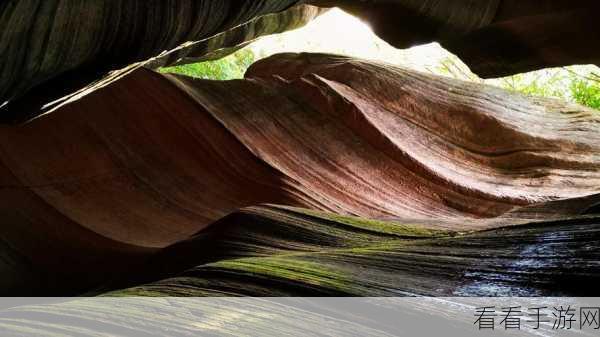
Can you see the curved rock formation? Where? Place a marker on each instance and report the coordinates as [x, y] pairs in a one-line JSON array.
[[59, 50], [56, 51], [282, 251], [103, 183]]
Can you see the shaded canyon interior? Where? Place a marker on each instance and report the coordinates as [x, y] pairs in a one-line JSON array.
[[315, 175]]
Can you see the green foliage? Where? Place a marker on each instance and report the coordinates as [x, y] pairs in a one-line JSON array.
[[586, 92], [231, 67], [577, 84]]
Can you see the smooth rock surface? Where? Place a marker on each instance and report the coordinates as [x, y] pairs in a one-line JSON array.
[[106, 182]]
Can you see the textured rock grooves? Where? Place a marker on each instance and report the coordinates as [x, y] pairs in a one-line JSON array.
[[102, 184], [281, 251], [55, 51]]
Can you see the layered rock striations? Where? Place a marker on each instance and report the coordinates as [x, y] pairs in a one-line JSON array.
[[314, 175], [106, 182], [56, 51]]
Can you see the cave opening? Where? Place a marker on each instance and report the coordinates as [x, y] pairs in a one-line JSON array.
[[338, 32], [275, 148]]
